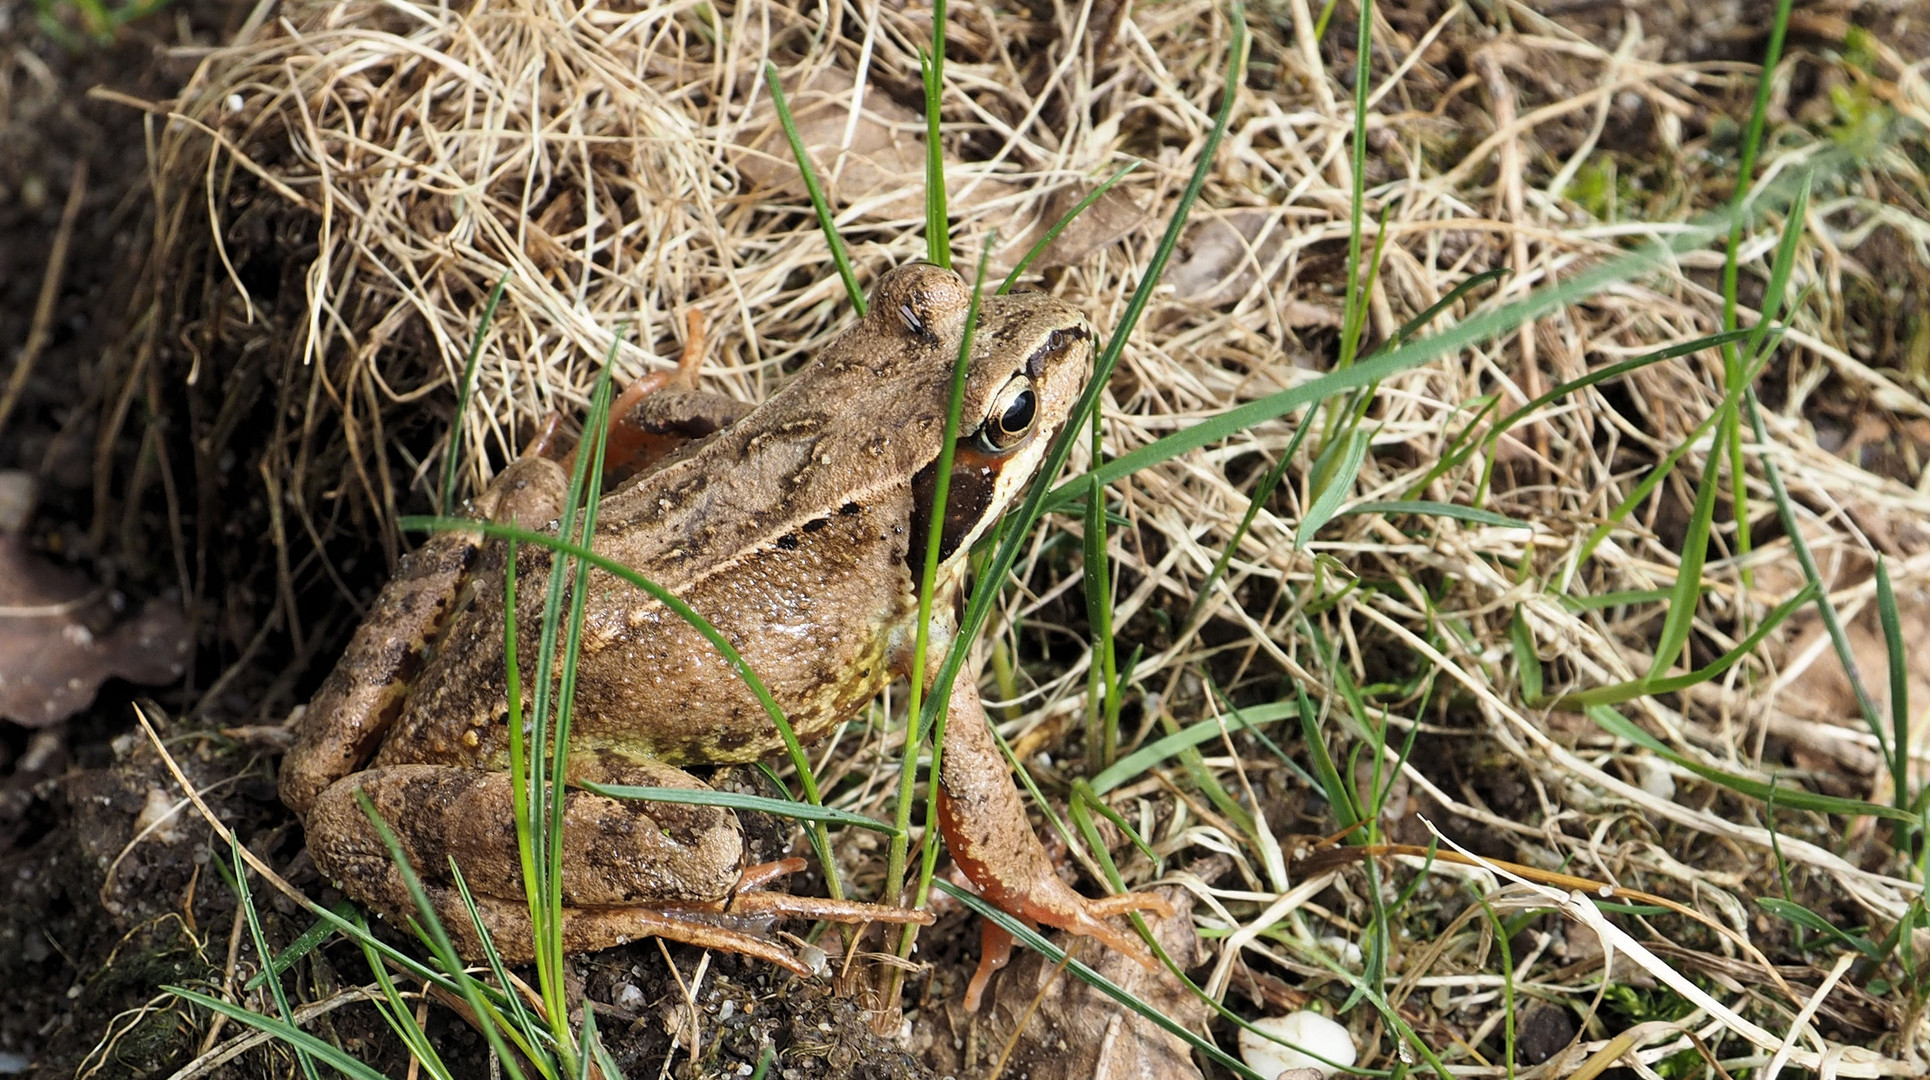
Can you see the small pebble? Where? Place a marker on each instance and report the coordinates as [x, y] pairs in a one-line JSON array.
[[1343, 949], [1655, 778], [1310, 1031]]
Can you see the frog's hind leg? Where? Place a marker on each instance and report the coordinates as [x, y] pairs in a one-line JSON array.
[[349, 716], [747, 901], [594, 929], [631, 869]]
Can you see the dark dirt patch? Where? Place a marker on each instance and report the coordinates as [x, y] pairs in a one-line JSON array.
[[76, 955]]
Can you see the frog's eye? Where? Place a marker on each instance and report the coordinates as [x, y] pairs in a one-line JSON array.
[[1010, 419]]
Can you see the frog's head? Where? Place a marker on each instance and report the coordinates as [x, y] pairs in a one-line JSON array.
[[1031, 354]]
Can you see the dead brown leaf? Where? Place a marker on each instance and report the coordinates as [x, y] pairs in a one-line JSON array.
[[875, 165], [878, 171], [61, 638], [1221, 258]]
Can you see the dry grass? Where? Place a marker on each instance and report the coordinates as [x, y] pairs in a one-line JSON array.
[[374, 168]]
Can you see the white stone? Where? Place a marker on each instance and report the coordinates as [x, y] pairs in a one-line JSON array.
[[1310, 1031], [1655, 778]]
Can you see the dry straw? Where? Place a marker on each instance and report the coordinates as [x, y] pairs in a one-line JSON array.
[[370, 170]]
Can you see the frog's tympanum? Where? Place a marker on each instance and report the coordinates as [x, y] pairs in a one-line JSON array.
[[799, 529]]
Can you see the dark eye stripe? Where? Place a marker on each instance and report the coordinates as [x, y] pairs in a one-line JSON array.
[[1056, 343]]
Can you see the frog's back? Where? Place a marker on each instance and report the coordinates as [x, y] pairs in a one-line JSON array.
[[788, 530]]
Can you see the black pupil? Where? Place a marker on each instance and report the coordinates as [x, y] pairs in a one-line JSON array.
[[1018, 415]]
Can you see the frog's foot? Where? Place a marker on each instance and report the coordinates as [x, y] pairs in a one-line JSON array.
[[1049, 901], [985, 827], [681, 377], [748, 901]]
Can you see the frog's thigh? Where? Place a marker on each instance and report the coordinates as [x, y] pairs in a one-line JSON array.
[[616, 852], [366, 691]]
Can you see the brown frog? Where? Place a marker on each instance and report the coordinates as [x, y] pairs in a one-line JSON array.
[[798, 529]]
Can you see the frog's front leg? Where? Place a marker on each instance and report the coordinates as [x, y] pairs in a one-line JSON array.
[[984, 825], [631, 869], [345, 722]]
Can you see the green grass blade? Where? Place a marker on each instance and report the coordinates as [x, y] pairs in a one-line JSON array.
[[336, 1057], [246, 902], [390, 955], [1261, 493], [1670, 684], [1732, 357], [731, 800], [1681, 614], [1084, 798], [1680, 619], [400, 1018], [598, 1052], [520, 1025], [1809, 920], [1354, 316], [938, 224], [920, 721], [1733, 392], [1103, 697], [1593, 378], [1521, 639], [1898, 750], [1832, 623], [586, 489], [463, 390], [548, 738], [1044, 242], [992, 577], [819, 203], [1731, 268], [1135, 764], [1429, 508], [316, 934], [1621, 727], [1336, 482], [1336, 792], [434, 933], [1647, 485], [1782, 266], [1412, 326], [530, 840]]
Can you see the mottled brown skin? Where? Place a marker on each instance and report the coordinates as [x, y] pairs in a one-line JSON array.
[[795, 530]]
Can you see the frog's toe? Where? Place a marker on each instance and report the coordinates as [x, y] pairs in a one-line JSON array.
[[1052, 903], [750, 901], [1087, 918]]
